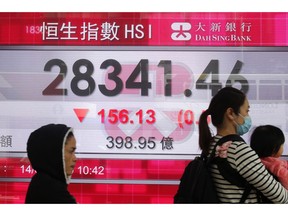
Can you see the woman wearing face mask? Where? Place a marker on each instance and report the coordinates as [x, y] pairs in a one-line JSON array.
[[229, 111]]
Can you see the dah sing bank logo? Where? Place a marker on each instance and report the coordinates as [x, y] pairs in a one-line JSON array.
[[181, 31], [214, 32]]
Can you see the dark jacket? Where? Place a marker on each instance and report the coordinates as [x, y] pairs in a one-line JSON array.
[[45, 149]]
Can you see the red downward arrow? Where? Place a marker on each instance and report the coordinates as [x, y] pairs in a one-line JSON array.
[[81, 113]]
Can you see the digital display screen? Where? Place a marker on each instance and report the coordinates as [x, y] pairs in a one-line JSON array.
[[134, 108]]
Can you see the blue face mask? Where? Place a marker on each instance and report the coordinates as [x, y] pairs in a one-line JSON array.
[[244, 128]]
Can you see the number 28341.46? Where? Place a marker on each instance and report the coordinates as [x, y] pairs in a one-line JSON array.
[[138, 79]]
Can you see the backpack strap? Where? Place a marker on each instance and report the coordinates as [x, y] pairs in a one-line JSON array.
[[228, 172], [230, 137]]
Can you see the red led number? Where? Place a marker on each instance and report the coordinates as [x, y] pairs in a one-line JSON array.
[[115, 116]]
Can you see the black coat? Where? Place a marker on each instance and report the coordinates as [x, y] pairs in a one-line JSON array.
[[45, 148]]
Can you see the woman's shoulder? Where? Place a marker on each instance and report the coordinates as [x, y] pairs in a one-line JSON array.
[[233, 138]]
